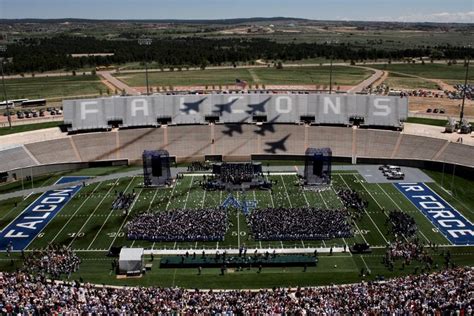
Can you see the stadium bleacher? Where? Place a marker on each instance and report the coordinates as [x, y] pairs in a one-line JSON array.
[[418, 147], [376, 143], [96, 146], [15, 157], [53, 151], [232, 141]]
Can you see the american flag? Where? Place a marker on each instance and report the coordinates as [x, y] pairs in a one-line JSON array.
[[240, 83]]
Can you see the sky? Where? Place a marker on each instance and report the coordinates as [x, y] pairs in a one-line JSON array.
[[366, 10]]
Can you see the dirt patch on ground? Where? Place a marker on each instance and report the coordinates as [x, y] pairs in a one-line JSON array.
[[452, 107]]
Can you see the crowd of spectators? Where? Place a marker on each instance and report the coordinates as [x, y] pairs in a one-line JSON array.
[[447, 292], [198, 166], [236, 173], [305, 223], [205, 224], [353, 202], [402, 224], [54, 260], [406, 250], [123, 201]]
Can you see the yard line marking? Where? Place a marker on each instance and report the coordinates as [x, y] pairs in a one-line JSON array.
[[166, 208], [171, 196], [271, 195], [366, 213], [302, 243], [287, 195], [322, 198], [189, 190], [305, 198], [380, 206], [450, 194], [96, 208], [125, 219], [400, 209], [366, 266], [148, 210], [112, 210], [203, 199], [152, 200], [238, 226], [281, 242], [80, 206], [363, 186], [260, 243], [220, 197]]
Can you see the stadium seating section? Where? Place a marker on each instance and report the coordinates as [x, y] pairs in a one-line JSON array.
[[233, 140]]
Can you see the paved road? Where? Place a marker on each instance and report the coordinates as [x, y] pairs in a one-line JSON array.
[[107, 75], [367, 82]]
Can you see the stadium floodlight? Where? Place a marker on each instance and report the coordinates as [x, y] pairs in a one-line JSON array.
[[146, 42], [330, 67], [3, 49]]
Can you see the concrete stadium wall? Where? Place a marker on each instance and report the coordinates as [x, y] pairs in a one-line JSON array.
[[35, 171], [236, 142]]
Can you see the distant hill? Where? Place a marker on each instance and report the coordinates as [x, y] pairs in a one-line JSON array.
[[171, 21]]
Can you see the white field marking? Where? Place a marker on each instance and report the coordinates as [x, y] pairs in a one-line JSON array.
[[451, 195], [152, 200], [324, 243], [174, 246], [399, 208], [238, 226], [429, 219], [26, 197], [363, 186], [286, 191], [8, 213], [166, 208], [220, 197], [380, 206], [343, 239], [189, 190], [355, 223], [322, 198], [281, 173], [271, 195], [171, 196], [110, 213], [305, 198], [77, 210], [125, 219], [302, 243], [148, 210], [281, 242], [203, 199], [366, 266], [260, 243], [93, 212]]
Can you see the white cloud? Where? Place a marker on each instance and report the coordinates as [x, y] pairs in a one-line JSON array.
[[442, 17]]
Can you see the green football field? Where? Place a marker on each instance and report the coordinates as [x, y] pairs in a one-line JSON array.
[[89, 225]]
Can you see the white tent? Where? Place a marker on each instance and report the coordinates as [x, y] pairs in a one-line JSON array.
[[131, 260]]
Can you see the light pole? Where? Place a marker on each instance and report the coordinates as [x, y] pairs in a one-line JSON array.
[[146, 42], [3, 49], [464, 92], [330, 67]]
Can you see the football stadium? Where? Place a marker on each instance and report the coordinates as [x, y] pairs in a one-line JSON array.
[[235, 199]]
